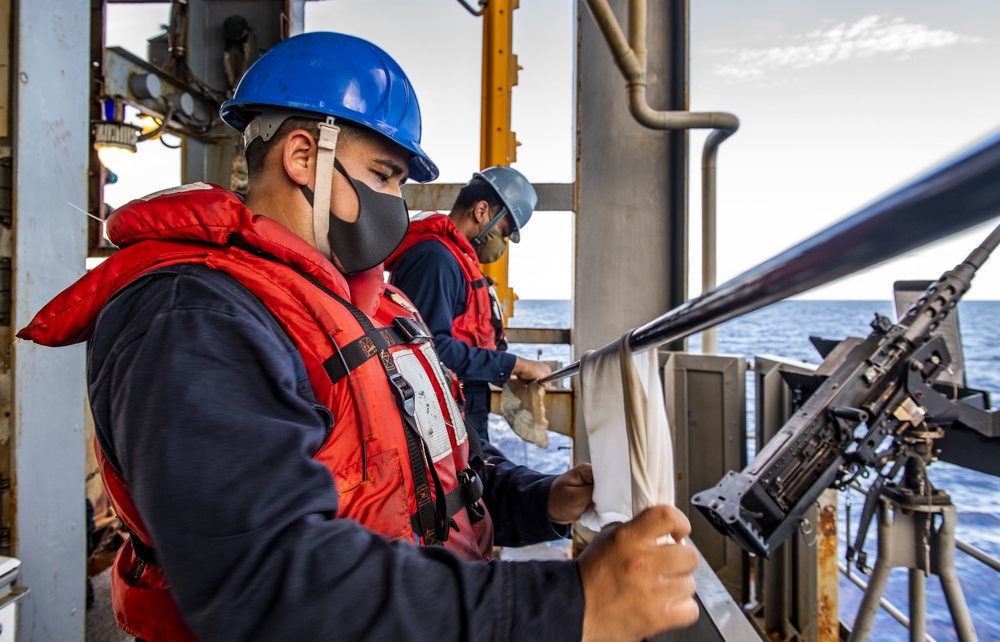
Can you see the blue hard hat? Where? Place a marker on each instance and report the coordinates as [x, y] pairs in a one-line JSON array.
[[515, 191], [333, 74]]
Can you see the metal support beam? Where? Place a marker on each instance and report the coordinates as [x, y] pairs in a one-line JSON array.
[[552, 197], [539, 335], [828, 574], [628, 208], [676, 35], [52, 145], [96, 173], [5, 56], [630, 198], [498, 142], [295, 20]]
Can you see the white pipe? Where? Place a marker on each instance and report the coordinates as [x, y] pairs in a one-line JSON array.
[[630, 57]]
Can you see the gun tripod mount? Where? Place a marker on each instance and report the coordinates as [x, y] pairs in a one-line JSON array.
[[911, 536]]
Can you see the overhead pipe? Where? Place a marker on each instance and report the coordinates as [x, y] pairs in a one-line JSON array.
[[630, 57], [961, 192]]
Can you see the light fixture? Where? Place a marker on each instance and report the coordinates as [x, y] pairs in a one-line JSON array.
[[114, 142], [150, 128]]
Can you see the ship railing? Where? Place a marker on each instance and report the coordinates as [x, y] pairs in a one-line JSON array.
[[952, 197]]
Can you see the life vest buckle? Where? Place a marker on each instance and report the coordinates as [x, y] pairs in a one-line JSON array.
[[411, 330], [472, 491], [403, 392]]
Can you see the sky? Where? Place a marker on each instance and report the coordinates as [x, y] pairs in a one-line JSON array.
[[838, 103]]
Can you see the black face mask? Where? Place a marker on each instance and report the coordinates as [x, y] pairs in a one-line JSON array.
[[382, 223]]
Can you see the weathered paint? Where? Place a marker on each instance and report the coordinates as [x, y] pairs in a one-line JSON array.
[[828, 576]]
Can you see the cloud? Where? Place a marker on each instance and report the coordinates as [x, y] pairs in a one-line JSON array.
[[870, 36]]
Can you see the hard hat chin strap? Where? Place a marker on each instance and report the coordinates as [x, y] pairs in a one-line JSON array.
[[476, 242], [324, 184]]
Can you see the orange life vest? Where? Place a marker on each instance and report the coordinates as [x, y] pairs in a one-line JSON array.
[[479, 324], [357, 366]]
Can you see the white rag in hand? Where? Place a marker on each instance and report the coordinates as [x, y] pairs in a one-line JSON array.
[[631, 449], [522, 404]]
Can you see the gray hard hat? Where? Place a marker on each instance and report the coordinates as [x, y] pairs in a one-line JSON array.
[[515, 191]]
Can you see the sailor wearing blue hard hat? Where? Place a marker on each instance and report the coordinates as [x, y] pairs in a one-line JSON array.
[[290, 466], [364, 91], [349, 89]]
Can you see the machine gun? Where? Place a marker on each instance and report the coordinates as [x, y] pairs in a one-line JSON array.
[[879, 410]]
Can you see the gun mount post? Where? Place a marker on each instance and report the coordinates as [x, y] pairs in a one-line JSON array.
[[908, 538]]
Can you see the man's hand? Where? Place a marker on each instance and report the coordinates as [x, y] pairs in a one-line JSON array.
[[528, 370], [632, 588], [571, 494]]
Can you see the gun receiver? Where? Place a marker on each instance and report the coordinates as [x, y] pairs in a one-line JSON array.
[[864, 416]]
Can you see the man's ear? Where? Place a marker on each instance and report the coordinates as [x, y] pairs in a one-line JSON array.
[[481, 212], [298, 155]]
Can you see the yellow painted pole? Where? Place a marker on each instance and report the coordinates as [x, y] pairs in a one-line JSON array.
[[498, 145]]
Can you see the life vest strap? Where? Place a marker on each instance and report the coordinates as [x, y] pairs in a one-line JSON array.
[[432, 511], [143, 551], [466, 495], [361, 350], [145, 555], [402, 331]]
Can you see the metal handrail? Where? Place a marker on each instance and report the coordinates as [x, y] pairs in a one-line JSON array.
[[978, 554], [961, 192]]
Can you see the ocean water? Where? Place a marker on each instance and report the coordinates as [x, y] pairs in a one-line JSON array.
[[783, 329]]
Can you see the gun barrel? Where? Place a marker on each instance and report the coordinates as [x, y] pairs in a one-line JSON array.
[[956, 195], [943, 295], [981, 253]]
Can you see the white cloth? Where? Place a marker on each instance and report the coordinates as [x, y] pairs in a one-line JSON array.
[[522, 404], [631, 449]]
